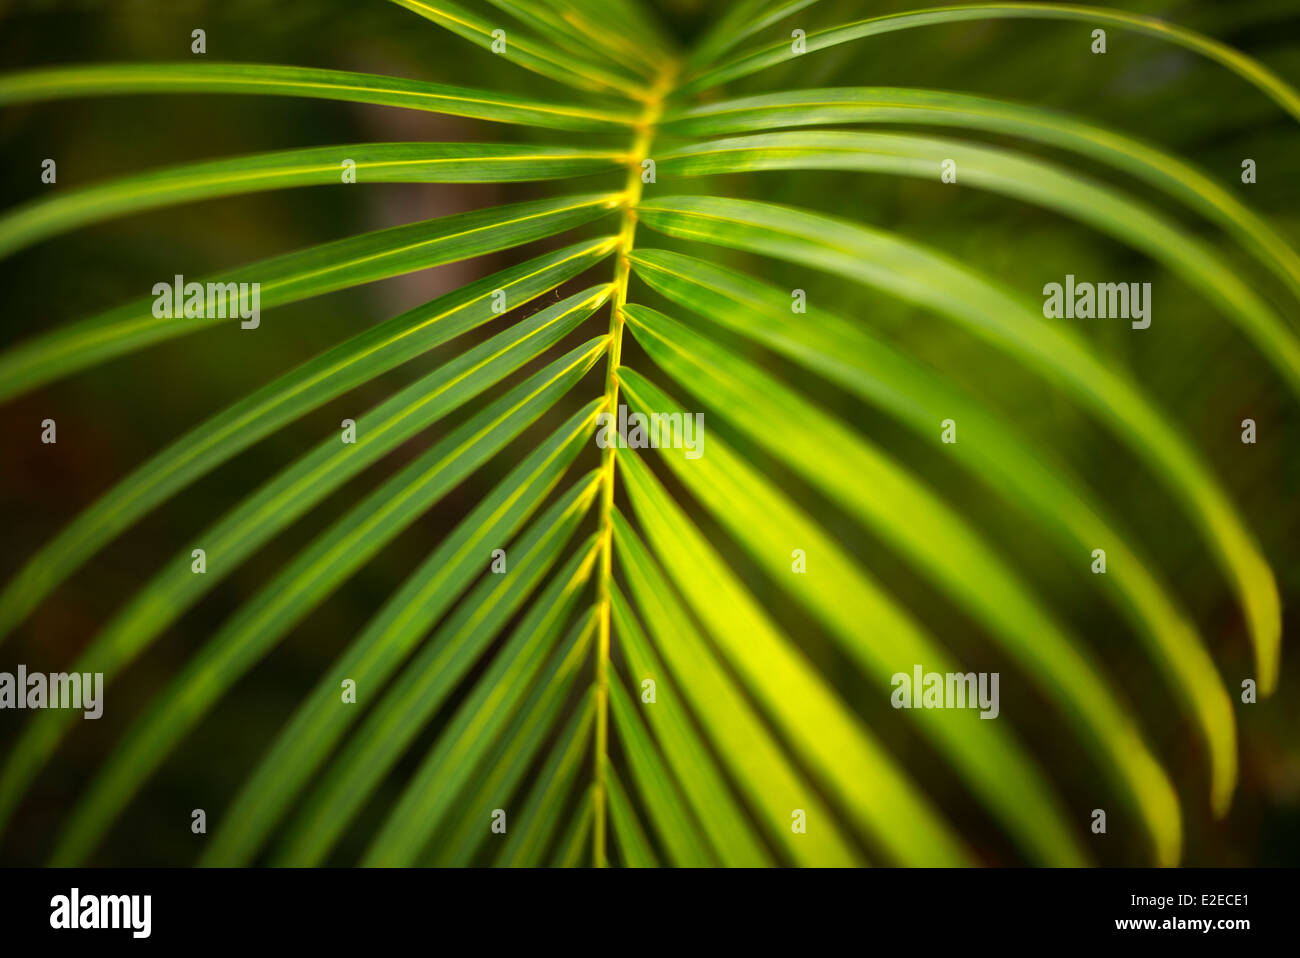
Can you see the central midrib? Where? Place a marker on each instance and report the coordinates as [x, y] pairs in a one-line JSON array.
[[645, 130]]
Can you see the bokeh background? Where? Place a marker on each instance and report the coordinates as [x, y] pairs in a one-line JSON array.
[[1200, 372]]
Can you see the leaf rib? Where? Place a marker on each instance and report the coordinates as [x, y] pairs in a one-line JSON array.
[[622, 272]]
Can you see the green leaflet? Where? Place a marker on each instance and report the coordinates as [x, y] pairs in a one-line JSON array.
[[724, 822], [921, 276], [305, 482], [431, 677], [808, 712], [516, 669], [282, 603], [518, 48], [585, 34], [319, 166], [297, 276], [625, 24], [34, 86], [854, 608], [371, 659], [773, 788], [873, 631], [673, 823], [634, 846], [573, 843], [333, 556], [539, 820], [873, 369], [499, 773], [331, 374], [740, 21], [1153, 166], [1245, 67]]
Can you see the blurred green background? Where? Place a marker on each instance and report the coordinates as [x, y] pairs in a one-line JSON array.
[[1199, 371]]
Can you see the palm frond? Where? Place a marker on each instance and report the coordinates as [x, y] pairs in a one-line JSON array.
[[643, 680]]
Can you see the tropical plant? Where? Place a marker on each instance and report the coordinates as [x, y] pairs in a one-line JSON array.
[[646, 678]]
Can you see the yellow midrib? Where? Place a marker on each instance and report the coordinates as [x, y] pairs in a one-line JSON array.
[[640, 150]]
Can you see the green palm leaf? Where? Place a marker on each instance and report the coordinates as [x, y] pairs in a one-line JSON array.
[[501, 770], [673, 822], [720, 815], [607, 658], [448, 656], [517, 667], [769, 782]]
